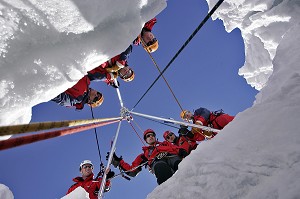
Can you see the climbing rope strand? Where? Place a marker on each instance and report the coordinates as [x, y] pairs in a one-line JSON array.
[[132, 169], [33, 127], [97, 141], [137, 134], [182, 47], [168, 85], [18, 141]]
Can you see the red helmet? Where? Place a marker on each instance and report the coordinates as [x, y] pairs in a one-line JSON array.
[[148, 131], [166, 133]]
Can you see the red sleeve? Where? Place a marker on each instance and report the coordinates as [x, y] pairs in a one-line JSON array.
[[184, 144], [198, 137], [98, 69], [201, 119], [104, 65], [149, 25], [138, 160]]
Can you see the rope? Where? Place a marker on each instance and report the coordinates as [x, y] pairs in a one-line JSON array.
[[14, 142], [33, 127], [97, 141], [137, 134], [182, 47], [146, 49]]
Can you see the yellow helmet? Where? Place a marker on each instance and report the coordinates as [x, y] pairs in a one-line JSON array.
[[183, 114], [97, 100], [151, 46], [126, 78]]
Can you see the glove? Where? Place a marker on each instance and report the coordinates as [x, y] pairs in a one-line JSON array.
[[115, 160], [183, 126], [182, 153], [183, 131], [112, 83], [110, 174], [116, 67]]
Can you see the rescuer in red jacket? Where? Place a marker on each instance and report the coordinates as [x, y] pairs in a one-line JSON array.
[[79, 95], [205, 117], [161, 157], [188, 141], [149, 43], [88, 182]]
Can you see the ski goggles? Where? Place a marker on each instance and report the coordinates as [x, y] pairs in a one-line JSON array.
[[151, 42]]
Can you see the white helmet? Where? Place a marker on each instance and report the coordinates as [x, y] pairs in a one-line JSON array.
[[85, 162]]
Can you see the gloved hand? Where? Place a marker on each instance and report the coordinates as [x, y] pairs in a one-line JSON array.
[[183, 126], [113, 84], [115, 160], [182, 153], [110, 174], [183, 130]]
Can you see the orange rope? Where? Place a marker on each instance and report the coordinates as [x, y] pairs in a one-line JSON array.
[[14, 142]]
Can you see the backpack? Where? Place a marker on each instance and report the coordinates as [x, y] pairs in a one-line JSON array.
[[204, 112]]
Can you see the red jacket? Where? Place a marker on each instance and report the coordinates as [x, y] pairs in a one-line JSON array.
[[188, 144], [75, 96], [147, 27], [89, 184], [216, 122], [119, 60], [150, 153], [100, 74]]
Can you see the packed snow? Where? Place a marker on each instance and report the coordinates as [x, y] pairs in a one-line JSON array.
[[60, 41], [255, 156]]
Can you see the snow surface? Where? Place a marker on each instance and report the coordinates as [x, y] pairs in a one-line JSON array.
[[60, 41], [258, 154], [5, 193], [255, 156], [263, 23]]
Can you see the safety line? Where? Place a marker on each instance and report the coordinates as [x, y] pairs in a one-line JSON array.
[[154, 62], [33, 127], [97, 140], [182, 47], [137, 133], [18, 141]]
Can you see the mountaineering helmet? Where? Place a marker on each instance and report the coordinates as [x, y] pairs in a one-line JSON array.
[[129, 76], [151, 46], [85, 162], [166, 133], [97, 101], [148, 131], [183, 114]]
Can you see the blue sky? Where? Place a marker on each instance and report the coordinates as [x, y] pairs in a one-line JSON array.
[[204, 74]]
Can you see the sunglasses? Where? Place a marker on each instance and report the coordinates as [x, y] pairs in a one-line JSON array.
[[151, 42], [96, 99], [127, 74], [169, 135], [87, 166], [149, 135]]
